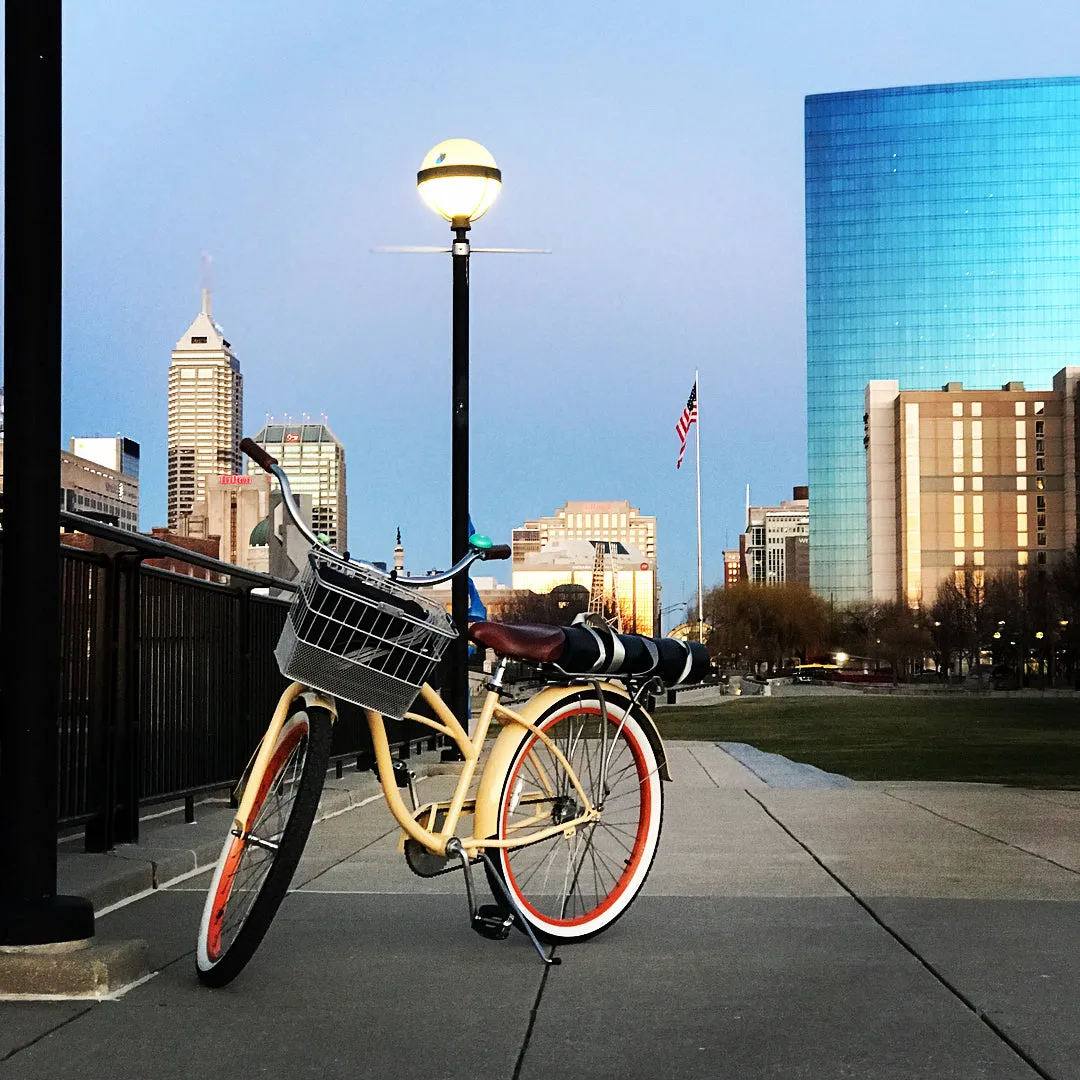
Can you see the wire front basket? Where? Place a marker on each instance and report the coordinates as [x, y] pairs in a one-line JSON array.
[[358, 635]]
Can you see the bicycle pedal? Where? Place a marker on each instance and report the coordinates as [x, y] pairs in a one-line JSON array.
[[492, 921]]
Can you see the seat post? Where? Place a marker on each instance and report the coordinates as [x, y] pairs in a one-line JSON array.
[[496, 681]]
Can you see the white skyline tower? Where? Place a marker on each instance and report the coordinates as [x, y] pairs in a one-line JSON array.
[[206, 407]]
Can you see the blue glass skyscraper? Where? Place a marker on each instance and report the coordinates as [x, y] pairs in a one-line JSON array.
[[942, 244]]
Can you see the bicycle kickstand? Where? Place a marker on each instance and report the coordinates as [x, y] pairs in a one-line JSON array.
[[492, 921]]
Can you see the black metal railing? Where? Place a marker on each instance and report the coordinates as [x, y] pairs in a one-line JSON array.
[[167, 681]]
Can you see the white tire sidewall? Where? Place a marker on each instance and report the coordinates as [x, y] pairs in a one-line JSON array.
[[618, 710]]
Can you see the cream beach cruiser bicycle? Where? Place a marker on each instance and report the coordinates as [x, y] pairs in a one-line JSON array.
[[567, 810]]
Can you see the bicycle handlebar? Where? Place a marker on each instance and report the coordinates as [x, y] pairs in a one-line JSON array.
[[257, 454], [270, 464]]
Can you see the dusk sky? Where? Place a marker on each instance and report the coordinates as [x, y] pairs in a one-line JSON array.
[[656, 148]]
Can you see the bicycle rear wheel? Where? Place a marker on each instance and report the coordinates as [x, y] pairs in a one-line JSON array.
[[254, 870], [571, 887]]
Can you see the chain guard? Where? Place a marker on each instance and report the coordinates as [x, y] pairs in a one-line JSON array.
[[422, 862]]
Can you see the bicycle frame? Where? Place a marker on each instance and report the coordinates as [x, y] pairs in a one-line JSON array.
[[515, 727]]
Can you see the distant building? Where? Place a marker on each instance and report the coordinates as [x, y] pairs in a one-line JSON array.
[[116, 452], [314, 460], [99, 492], [94, 490], [588, 521], [968, 482], [616, 522], [797, 560], [206, 408], [628, 576], [732, 568], [207, 546], [765, 544], [231, 509]]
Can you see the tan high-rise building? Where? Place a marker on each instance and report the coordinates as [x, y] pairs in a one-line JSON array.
[[966, 482], [314, 461], [206, 406]]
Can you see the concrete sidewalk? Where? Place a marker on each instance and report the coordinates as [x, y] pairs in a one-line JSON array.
[[787, 929]]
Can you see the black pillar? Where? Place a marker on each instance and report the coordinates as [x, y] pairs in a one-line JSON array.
[[30, 911], [459, 470]]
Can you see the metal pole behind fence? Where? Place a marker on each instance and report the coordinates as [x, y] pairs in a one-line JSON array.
[[30, 911]]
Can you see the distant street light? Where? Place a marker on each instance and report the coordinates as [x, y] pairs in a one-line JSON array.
[[459, 180]]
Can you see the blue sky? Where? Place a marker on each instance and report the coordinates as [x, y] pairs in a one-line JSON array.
[[656, 148]]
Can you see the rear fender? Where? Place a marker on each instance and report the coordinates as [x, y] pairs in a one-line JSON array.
[[512, 736]]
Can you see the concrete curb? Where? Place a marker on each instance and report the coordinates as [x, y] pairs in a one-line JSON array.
[[85, 970], [171, 848]]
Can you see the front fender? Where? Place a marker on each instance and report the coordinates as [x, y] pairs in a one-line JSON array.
[[512, 736]]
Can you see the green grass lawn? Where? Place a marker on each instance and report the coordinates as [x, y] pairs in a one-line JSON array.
[[1023, 741]]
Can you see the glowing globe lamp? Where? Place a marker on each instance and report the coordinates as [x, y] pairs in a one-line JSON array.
[[459, 180]]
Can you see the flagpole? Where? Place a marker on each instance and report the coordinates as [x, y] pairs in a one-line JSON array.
[[700, 615]]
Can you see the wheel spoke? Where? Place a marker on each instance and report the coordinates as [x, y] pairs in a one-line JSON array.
[[572, 880], [256, 855]]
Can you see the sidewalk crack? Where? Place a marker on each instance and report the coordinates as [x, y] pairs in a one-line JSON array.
[[980, 832], [701, 766], [45, 1034], [956, 992]]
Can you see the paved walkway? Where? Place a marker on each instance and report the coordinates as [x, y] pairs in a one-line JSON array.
[[788, 929]]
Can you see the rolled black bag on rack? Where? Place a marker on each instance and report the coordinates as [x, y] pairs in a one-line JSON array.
[[591, 651]]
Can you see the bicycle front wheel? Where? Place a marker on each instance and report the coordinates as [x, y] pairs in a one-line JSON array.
[[574, 884], [255, 868]]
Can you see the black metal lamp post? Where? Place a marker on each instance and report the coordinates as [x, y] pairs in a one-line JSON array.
[[31, 913], [459, 181]]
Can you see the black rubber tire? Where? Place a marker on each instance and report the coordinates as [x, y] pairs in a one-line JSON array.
[[647, 836], [218, 970]]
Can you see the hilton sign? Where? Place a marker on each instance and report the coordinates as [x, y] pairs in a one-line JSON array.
[[235, 481]]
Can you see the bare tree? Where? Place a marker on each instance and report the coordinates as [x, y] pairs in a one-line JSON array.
[[555, 608], [764, 624]]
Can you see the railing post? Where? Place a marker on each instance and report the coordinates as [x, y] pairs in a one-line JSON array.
[[242, 682], [98, 835], [126, 713]]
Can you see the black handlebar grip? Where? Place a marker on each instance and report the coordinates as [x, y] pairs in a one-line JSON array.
[[497, 551], [257, 453]]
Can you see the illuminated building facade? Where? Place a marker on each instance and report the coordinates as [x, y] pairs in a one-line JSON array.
[[628, 575], [942, 244], [558, 550], [964, 483]]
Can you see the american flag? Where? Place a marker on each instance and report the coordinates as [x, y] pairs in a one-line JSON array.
[[682, 428]]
